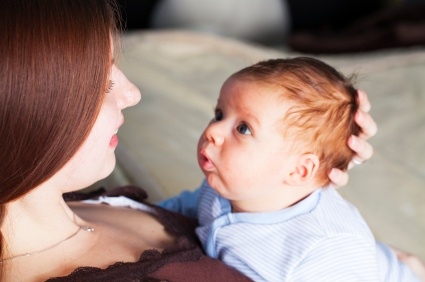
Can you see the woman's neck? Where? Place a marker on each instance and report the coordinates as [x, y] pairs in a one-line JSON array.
[[37, 220]]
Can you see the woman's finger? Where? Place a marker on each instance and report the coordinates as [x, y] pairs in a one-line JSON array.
[[338, 178], [367, 125], [362, 148], [364, 104]]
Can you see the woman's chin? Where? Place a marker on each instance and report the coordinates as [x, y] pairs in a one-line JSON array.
[[106, 170], [109, 167]]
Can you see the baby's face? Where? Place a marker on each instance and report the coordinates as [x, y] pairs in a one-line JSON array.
[[243, 152]]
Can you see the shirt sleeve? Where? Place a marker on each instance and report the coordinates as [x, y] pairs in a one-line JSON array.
[[391, 269], [342, 258], [185, 203]]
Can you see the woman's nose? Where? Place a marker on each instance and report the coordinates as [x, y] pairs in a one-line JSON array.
[[214, 133], [129, 93]]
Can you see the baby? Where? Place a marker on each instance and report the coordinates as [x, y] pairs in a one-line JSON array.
[[265, 207]]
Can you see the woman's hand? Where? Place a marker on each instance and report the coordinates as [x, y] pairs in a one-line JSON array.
[[358, 144]]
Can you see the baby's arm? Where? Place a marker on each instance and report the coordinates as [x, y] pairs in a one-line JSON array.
[[185, 203], [352, 259], [400, 264], [412, 261], [340, 258]]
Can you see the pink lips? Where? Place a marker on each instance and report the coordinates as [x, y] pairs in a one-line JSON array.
[[204, 162], [114, 141]]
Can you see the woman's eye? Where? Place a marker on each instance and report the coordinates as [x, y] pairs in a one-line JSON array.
[[243, 129], [110, 86], [218, 115]]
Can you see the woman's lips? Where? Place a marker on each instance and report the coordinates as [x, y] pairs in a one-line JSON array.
[[114, 141]]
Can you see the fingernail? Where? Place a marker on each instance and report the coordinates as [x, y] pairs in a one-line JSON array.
[[359, 115], [352, 141]]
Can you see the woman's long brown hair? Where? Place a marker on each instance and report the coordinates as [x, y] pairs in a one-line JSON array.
[[55, 59]]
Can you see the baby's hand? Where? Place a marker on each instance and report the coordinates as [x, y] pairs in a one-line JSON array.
[[412, 261]]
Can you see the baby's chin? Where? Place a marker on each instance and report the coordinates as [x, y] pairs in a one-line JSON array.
[[218, 186]]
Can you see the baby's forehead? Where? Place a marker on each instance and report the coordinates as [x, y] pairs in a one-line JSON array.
[[251, 92], [265, 103]]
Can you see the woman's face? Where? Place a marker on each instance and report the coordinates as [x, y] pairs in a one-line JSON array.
[[96, 158]]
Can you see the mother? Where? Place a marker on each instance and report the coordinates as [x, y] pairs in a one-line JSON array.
[[61, 98]]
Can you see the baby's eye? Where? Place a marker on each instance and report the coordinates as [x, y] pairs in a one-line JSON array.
[[243, 129], [218, 115]]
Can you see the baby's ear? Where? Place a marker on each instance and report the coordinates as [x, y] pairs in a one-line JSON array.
[[304, 170]]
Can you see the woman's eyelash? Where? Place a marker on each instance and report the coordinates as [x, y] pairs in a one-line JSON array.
[[110, 86]]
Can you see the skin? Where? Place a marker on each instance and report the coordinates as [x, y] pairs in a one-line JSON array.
[[230, 139], [102, 141], [120, 234], [245, 156], [364, 150], [413, 262]]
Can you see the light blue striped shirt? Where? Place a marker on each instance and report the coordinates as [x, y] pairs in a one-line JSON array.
[[321, 238]]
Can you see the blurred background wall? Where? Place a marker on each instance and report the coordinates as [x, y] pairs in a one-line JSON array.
[[314, 26]]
